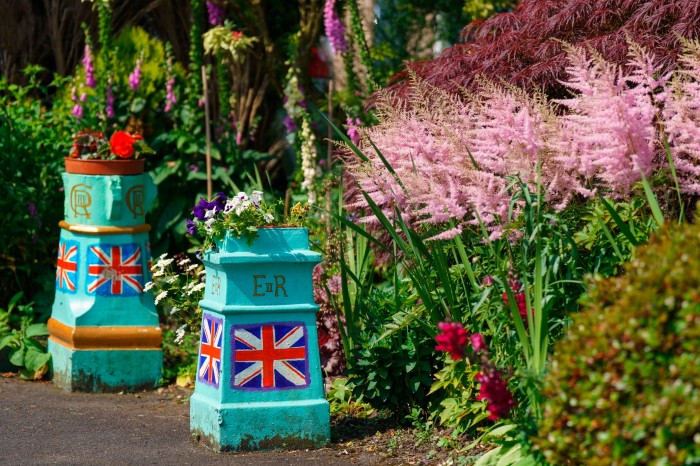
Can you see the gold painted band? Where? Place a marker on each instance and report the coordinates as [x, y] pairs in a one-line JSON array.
[[95, 230], [104, 338]]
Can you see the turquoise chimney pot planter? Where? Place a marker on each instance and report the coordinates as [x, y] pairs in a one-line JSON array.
[[103, 330], [259, 384]]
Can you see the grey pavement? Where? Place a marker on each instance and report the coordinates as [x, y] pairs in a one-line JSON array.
[[40, 425]]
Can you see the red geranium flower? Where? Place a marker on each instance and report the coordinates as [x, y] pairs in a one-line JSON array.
[[122, 144]]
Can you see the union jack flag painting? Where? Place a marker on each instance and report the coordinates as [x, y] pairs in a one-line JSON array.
[[115, 270], [209, 367], [270, 356], [67, 266]]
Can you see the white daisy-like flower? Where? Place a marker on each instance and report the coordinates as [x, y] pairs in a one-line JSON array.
[[191, 267], [180, 334], [196, 288], [163, 263], [149, 286], [172, 279], [184, 262], [174, 310], [159, 273], [201, 272], [161, 295], [163, 256]]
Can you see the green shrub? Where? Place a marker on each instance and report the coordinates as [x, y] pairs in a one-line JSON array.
[[392, 371], [624, 385]]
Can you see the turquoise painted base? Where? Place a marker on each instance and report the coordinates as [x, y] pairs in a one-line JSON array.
[[291, 425], [108, 371], [259, 384]]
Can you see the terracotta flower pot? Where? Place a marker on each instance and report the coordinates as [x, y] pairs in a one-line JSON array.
[[104, 167]]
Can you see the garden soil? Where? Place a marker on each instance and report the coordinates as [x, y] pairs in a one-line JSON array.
[[40, 424]]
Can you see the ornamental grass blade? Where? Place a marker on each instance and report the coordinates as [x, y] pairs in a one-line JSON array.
[[624, 228], [653, 201]]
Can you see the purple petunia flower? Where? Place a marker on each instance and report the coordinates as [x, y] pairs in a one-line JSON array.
[[200, 209], [191, 227]]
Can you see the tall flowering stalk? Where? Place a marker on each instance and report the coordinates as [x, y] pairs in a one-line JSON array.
[[89, 67], [135, 76], [78, 102], [309, 154], [170, 97], [216, 12], [109, 99], [335, 29]]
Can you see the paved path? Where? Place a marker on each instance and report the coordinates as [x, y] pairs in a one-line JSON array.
[[40, 424]]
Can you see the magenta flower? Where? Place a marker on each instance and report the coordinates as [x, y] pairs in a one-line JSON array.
[[478, 342], [289, 124], [494, 390], [335, 30], [89, 67], [353, 134], [217, 13], [109, 109], [135, 76], [77, 111], [453, 339], [170, 98]]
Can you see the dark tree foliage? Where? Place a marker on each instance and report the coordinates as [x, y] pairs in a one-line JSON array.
[[524, 46]]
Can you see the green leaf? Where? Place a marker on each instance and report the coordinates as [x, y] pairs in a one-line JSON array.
[[10, 340], [37, 330], [35, 360], [17, 356], [489, 457], [653, 202], [137, 104]]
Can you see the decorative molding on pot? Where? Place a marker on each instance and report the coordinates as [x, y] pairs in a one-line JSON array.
[[104, 338], [95, 230], [104, 167]]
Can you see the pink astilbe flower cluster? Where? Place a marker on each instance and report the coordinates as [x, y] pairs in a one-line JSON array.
[[457, 161], [682, 119], [609, 133]]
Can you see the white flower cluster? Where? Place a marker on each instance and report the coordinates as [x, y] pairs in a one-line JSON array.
[[293, 105], [308, 158], [241, 201]]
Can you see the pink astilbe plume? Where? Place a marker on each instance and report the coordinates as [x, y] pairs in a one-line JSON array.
[[682, 119], [426, 148], [609, 132]]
